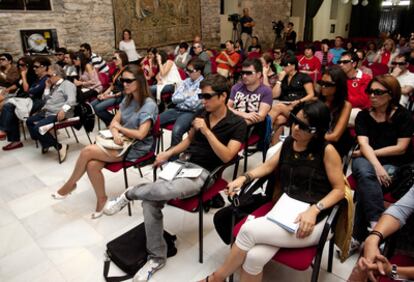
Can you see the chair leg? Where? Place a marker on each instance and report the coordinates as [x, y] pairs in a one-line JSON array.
[[154, 174], [126, 187], [200, 227], [245, 154], [330, 254], [67, 132], [236, 169], [89, 138], [140, 171], [316, 267], [56, 136], [74, 134]]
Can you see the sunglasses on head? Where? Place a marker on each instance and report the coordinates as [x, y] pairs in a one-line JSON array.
[[302, 126], [127, 80], [398, 63], [377, 92], [190, 70], [247, 72], [207, 96], [344, 62], [326, 84]]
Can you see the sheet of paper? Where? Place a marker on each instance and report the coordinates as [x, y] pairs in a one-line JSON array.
[[169, 171], [285, 211], [190, 172], [107, 134]]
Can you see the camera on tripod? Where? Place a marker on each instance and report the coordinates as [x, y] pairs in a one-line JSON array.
[[235, 18], [278, 28]]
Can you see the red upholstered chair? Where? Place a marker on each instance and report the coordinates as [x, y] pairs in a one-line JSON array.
[[378, 69], [213, 185], [70, 122], [149, 158], [182, 73], [302, 258]]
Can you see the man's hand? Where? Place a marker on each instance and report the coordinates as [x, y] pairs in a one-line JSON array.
[[367, 263], [200, 124], [253, 117], [396, 72], [356, 154], [60, 115], [161, 158], [48, 83], [77, 82]]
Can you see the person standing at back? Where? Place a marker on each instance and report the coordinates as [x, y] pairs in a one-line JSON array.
[[247, 24]]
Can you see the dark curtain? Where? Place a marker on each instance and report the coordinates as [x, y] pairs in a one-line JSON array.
[[406, 17], [365, 20], [312, 7]]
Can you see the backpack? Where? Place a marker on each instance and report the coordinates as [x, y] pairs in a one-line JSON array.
[[402, 181], [129, 252], [86, 113]]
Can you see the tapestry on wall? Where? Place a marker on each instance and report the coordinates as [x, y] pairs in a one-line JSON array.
[[155, 23]]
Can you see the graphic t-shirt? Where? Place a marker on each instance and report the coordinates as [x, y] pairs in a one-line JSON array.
[[249, 101]]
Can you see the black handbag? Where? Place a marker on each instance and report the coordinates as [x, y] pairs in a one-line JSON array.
[[129, 252], [402, 181]]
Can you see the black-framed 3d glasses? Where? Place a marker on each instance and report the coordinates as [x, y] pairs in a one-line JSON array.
[[377, 92], [207, 96], [326, 84], [302, 126]]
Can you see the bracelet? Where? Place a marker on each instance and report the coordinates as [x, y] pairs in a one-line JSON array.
[[377, 233], [248, 177]]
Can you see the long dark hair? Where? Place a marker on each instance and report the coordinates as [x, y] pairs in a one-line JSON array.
[[339, 77], [31, 75], [154, 51], [83, 62], [143, 91]]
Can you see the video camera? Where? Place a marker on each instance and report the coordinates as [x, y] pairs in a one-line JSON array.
[[235, 18], [278, 28]]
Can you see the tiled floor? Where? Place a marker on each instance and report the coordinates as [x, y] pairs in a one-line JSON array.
[[42, 239]]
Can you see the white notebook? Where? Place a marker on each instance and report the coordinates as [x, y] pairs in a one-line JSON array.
[[176, 170], [285, 211]]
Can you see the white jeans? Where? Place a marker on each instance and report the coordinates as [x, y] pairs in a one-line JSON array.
[[262, 239]]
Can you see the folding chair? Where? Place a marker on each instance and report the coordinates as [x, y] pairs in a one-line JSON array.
[[213, 185]]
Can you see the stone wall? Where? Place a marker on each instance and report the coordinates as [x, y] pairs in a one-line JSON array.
[[76, 22]]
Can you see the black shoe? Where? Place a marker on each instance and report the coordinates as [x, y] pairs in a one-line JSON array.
[[217, 202]]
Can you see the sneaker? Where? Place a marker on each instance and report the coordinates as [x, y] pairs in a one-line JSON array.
[[353, 248], [146, 272], [63, 151], [115, 205]]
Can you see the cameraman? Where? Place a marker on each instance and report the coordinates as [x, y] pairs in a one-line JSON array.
[[290, 37], [247, 25]]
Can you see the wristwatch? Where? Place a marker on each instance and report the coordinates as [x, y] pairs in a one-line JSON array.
[[320, 206], [394, 273]]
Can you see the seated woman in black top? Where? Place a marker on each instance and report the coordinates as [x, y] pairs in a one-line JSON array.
[[303, 164], [334, 92], [384, 133], [292, 88]]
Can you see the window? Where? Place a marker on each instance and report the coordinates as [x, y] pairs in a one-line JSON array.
[[25, 5]]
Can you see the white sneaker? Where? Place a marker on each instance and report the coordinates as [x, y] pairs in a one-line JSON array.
[[115, 205], [146, 272]]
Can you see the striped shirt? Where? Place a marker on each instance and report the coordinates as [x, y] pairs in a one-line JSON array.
[[99, 63]]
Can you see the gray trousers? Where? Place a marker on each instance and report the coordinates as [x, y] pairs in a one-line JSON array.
[[154, 196]]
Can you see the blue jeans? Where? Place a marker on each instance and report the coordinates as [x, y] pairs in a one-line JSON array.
[[101, 106], [369, 195], [182, 123], [168, 88], [9, 123], [34, 122]]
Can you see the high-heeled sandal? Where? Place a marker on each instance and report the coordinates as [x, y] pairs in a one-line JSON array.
[[98, 214], [58, 196]]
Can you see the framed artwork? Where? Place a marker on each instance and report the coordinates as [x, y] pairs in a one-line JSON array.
[[155, 23], [39, 41]]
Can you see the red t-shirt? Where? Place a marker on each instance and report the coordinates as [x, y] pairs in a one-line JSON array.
[[235, 57], [356, 90], [309, 64]]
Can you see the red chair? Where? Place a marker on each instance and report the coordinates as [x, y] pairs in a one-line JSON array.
[[64, 124], [149, 158], [302, 258], [378, 69], [182, 73], [213, 185]]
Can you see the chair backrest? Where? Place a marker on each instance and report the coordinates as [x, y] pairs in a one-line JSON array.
[[378, 69]]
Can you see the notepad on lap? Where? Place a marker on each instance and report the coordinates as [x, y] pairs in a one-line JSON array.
[[170, 170], [285, 211]]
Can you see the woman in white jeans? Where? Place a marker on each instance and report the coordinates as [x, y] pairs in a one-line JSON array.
[[302, 169]]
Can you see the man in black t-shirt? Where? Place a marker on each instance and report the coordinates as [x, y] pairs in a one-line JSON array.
[[247, 24], [215, 138]]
